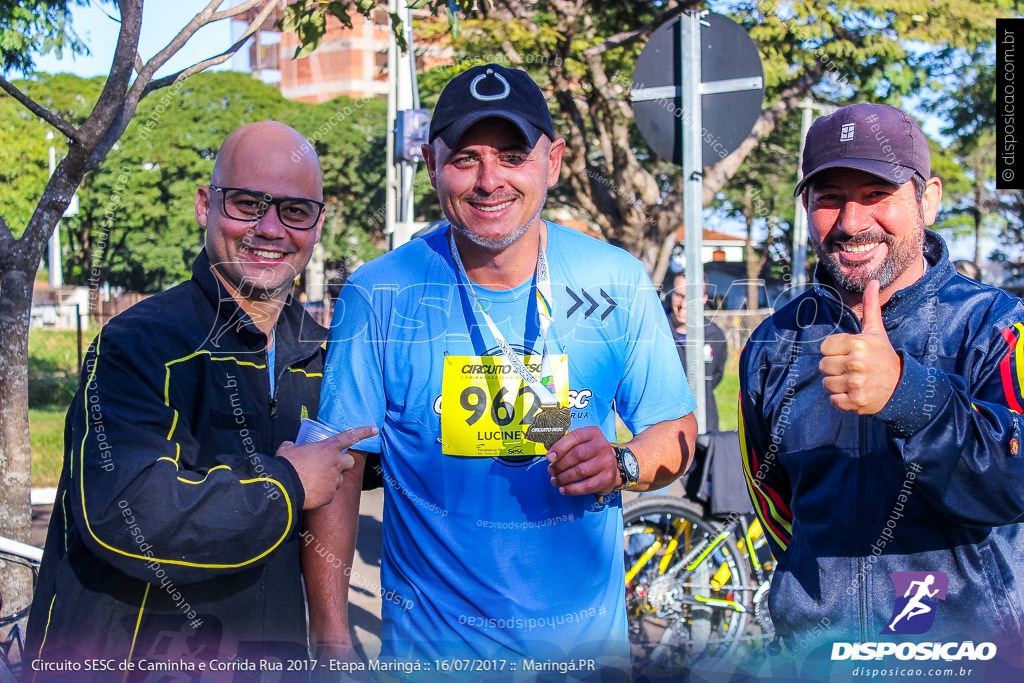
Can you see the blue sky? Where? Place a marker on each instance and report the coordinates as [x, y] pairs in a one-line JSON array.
[[161, 21]]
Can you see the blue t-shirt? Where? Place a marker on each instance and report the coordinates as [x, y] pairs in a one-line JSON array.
[[482, 556]]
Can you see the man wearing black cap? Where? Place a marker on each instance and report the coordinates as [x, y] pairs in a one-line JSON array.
[[881, 418], [493, 385]]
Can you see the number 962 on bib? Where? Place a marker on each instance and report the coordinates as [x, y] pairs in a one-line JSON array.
[[486, 407]]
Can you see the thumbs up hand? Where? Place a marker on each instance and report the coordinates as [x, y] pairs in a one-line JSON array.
[[861, 370]]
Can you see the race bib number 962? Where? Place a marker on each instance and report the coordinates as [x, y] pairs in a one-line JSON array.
[[486, 407]]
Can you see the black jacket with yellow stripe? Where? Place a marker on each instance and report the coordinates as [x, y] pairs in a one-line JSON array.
[[175, 535]]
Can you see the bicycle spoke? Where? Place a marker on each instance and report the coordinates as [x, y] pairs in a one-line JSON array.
[[688, 592]]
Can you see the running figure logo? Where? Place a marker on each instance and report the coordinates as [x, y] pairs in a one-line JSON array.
[[914, 613]]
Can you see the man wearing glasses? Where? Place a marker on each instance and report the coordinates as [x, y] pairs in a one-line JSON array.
[[184, 514]]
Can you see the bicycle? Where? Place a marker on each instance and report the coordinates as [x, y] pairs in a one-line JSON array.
[[690, 588], [20, 554]]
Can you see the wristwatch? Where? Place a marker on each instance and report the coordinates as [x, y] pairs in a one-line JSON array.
[[629, 468]]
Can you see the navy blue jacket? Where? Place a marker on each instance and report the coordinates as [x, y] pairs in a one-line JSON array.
[[176, 530], [934, 482]]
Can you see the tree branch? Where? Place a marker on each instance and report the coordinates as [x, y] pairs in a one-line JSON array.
[[716, 176], [194, 69], [112, 96], [628, 37], [516, 9], [42, 112], [511, 52], [254, 25], [106, 115], [6, 240], [636, 190], [206, 16]]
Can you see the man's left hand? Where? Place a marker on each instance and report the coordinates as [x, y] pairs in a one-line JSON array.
[[862, 370], [582, 462]]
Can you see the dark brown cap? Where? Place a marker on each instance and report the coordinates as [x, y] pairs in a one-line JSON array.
[[875, 138]]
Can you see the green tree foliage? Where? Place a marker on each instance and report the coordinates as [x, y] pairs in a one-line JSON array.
[[584, 52], [349, 137], [29, 28], [136, 226], [23, 161], [23, 139]]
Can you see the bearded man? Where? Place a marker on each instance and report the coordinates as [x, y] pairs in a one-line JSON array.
[[880, 414]]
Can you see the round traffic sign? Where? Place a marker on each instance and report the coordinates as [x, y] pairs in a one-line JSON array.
[[732, 81]]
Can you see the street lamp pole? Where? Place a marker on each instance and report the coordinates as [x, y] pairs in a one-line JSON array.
[[799, 260], [403, 94]]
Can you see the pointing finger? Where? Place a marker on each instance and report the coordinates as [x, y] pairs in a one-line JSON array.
[[352, 436]]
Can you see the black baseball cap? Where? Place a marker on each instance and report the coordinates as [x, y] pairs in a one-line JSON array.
[[875, 138], [488, 91]]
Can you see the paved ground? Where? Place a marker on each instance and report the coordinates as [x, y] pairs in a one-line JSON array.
[[364, 593], [40, 518]]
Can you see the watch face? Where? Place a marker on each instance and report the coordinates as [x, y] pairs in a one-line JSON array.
[[630, 464]]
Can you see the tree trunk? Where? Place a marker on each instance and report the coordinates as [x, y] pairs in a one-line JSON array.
[[15, 452], [977, 238]]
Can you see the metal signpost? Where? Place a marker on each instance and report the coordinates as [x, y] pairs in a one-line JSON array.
[[716, 76], [799, 259]]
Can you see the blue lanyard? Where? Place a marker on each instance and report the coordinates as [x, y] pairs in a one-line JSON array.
[[544, 387]]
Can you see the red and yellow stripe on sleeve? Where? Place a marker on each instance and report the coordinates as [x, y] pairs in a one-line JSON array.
[[771, 507], [1011, 368]]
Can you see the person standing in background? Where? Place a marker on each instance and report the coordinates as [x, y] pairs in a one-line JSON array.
[[715, 352]]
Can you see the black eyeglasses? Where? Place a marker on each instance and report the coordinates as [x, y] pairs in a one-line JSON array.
[[248, 205]]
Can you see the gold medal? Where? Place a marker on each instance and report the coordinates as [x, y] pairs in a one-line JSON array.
[[551, 422], [549, 425]]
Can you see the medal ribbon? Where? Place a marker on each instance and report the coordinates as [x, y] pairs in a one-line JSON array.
[[544, 387]]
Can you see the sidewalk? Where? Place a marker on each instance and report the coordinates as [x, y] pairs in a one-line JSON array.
[[364, 590]]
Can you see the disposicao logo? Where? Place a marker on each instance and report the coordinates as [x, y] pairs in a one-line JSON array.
[[917, 597], [914, 612]]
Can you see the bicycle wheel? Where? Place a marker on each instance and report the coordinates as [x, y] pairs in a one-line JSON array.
[[16, 560], [677, 618]]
